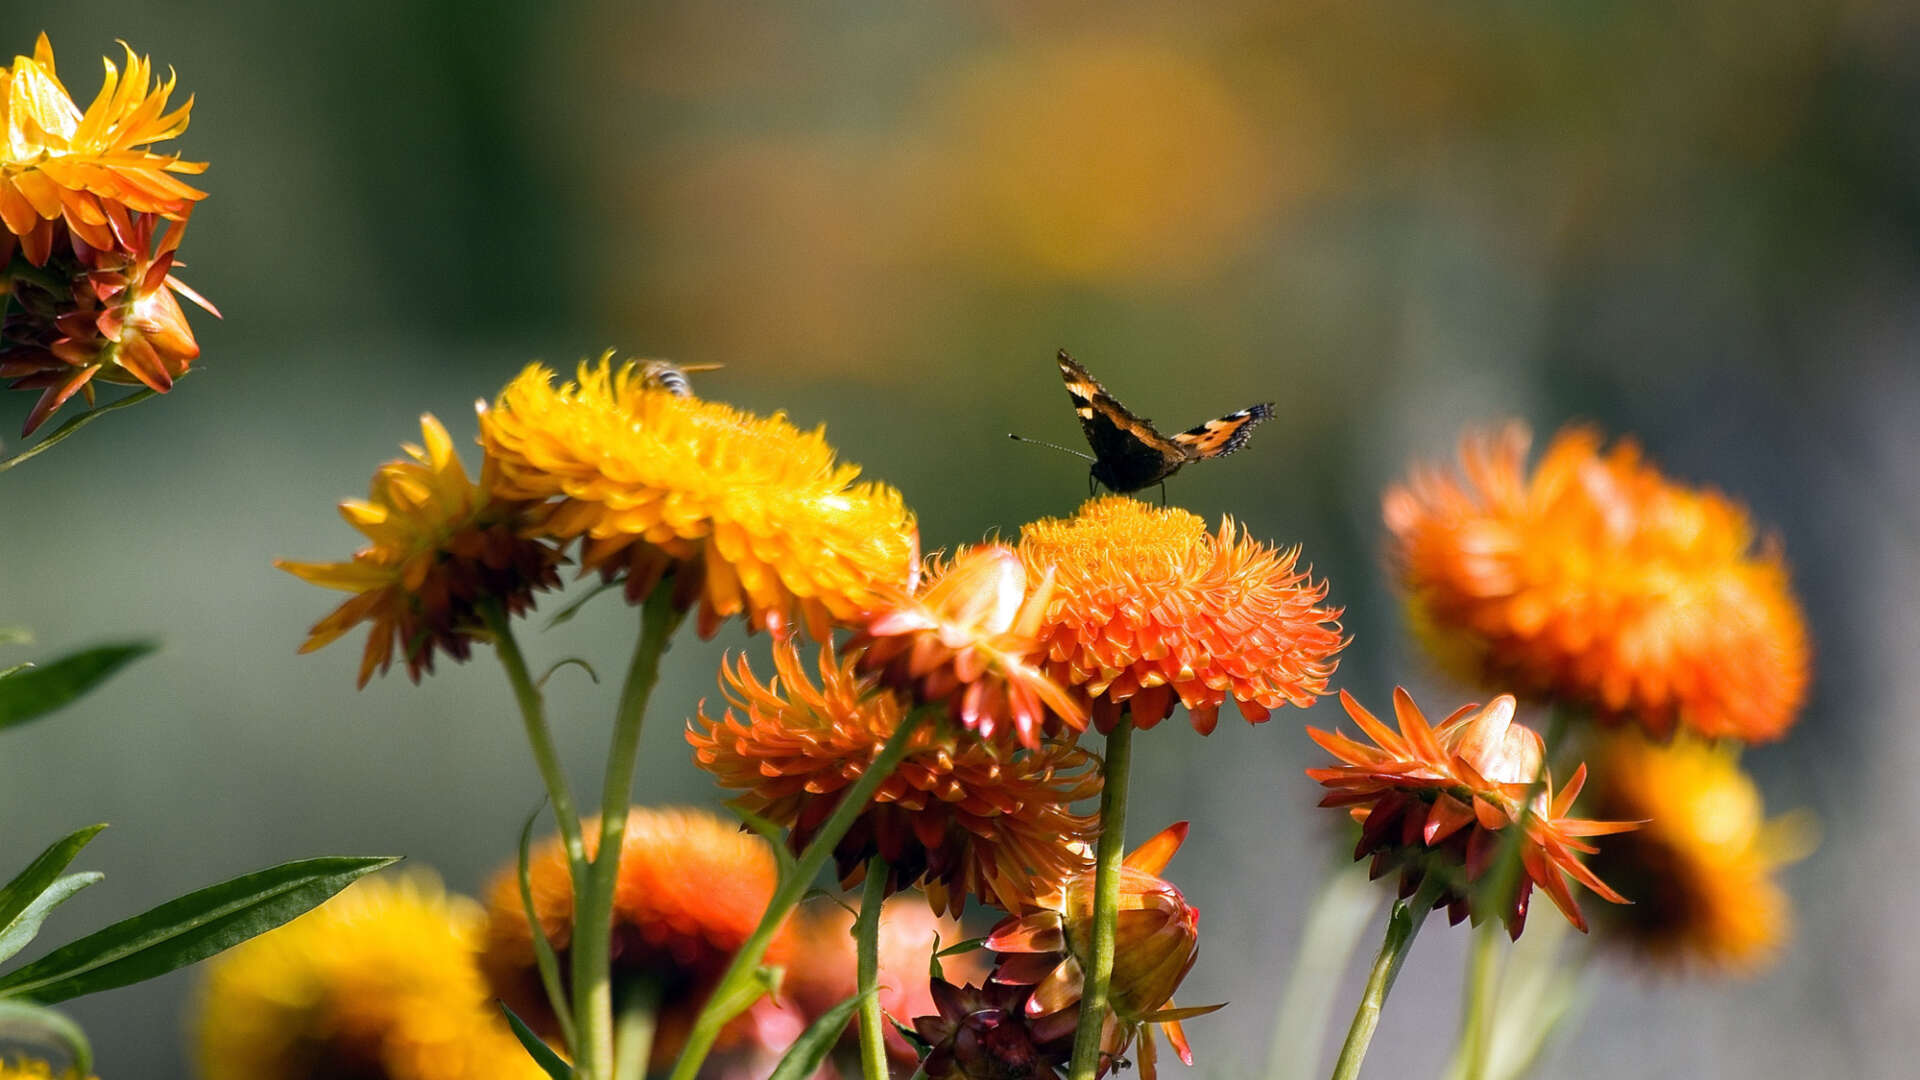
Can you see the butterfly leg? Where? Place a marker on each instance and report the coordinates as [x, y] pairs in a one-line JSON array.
[[1163, 493], [1092, 484]]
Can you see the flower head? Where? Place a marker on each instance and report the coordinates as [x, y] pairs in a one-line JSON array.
[[751, 514], [438, 549], [1156, 941], [986, 1033], [965, 638], [1442, 799], [1598, 580], [1150, 609], [1701, 870], [88, 169], [35, 1069], [99, 315], [380, 982], [957, 816], [692, 888]]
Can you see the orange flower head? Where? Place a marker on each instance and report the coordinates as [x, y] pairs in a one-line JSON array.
[[1443, 799], [957, 816], [965, 639], [100, 315], [438, 548], [1156, 941], [823, 972], [1150, 609], [89, 170], [1702, 868], [1599, 581], [750, 514], [986, 1033], [691, 890]]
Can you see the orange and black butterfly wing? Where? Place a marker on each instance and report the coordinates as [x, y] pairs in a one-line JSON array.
[[1218, 438], [1128, 453]]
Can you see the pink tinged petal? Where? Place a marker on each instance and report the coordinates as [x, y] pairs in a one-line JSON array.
[[1032, 934], [56, 396]]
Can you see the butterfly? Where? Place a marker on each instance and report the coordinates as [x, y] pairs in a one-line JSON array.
[[1128, 454]]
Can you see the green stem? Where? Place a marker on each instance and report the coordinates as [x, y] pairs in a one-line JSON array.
[[1326, 942], [1106, 900], [593, 896], [74, 424], [873, 1035], [738, 987], [1483, 979], [1402, 924], [633, 1028]]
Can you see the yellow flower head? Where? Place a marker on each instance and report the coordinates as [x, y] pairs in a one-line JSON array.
[[1149, 609], [438, 548], [382, 981], [33, 1069], [89, 169], [1701, 870], [957, 816], [1441, 798], [751, 514], [1597, 580]]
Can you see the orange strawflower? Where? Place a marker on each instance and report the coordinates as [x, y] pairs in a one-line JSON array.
[[99, 315], [965, 639], [750, 514], [90, 169], [823, 972], [1597, 580], [985, 1033], [692, 888], [438, 548], [1149, 609], [1444, 799], [1701, 870], [1156, 941], [957, 816]]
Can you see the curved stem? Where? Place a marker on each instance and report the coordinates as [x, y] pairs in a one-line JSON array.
[[593, 897], [873, 1035], [1106, 899], [539, 738], [1332, 931], [738, 987], [634, 1027], [1403, 922]]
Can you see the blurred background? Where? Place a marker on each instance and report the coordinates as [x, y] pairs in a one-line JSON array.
[[1696, 223]]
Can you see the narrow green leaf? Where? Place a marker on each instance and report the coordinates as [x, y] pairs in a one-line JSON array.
[[573, 609], [966, 946], [574, 660], [46, 1022], [20, 893], [15, 635], [774, 835], [803, 1058], [37, 691], [191, 928], [21, 932], [536, 1047], [905, 1031], [76, 423], [543, 954]]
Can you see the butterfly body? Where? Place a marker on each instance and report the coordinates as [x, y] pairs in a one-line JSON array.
[[1128, 452]]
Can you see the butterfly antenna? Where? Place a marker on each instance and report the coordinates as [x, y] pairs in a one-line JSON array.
[[1050, 446]]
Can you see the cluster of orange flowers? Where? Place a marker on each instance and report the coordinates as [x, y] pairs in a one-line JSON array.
[[93, 218]]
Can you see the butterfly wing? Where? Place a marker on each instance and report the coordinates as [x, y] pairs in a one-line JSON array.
[[1218, 438], [1129, 454]]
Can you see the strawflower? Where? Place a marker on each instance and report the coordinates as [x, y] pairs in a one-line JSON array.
[[381, 982], [1595, 579], [750, 514], [966, 639], [1156, 943], [439, 548], [957, 817], [35, 1069], [1150, 610], [691, 889], [1438, 801], [986, 1033], [1702, 869]]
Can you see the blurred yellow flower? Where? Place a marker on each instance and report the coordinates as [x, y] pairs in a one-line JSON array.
[[381, 982], [31, 1069], [439, 547], [751, 514]]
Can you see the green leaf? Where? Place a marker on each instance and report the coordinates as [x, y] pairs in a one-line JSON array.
[[19, 895], [905, 1031], [966, 946], [59, 1026], [183, 931], [803, 1058], [37, 691], [543, 953], [573, 609], [24, 929], [536, 1047], [774, 835], [78, 422], [558, 664], [15, 635]]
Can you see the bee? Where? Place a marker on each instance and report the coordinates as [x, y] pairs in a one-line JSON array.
[[671, 377]]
